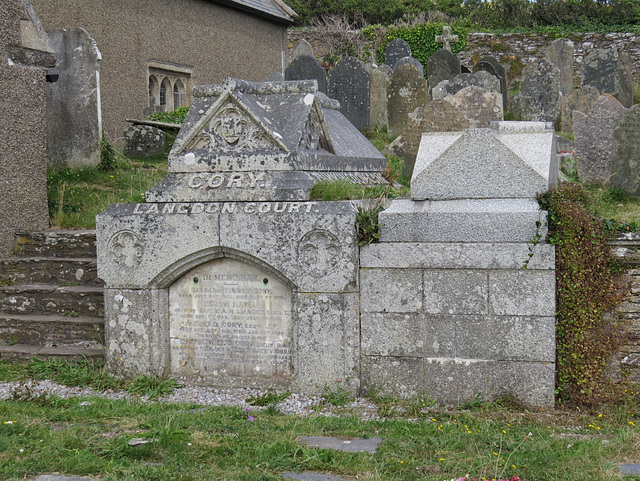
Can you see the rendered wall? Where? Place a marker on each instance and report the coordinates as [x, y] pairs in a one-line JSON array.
[[23, 193], [217, 41]]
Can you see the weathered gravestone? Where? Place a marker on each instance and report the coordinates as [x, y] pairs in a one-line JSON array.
[[442, 65], [143, 141], [406, 91], [302, 47], [609, 70], [398, 48], [73, 101], [380, 75], [560, 53], [350, 84], [447, 308], [411, 61], [446, 38], [228, 275], [471, 107], [593, 135], [581, 99], [479, 79], [495, 68], [539, 96], [625, 162], [306, 67]]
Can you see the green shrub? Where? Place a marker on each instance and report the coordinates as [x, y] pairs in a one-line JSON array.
[[175, 117]]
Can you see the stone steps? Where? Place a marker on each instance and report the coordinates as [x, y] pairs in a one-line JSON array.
[[51, 299], [52, 331], [56, 243], [49, 270]]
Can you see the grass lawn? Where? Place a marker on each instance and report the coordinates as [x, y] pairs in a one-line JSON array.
[[48, 434]]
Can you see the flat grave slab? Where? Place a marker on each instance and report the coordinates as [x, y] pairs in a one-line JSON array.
[[310, 476], [347, 445]]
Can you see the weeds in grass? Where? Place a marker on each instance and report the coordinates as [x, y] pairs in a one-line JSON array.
[[83, 373], [336, 396], [271, 397], [153, 386]]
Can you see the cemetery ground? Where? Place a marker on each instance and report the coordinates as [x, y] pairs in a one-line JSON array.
[[139, 436], [143, 438]]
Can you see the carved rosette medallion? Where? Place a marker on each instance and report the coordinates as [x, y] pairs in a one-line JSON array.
[[319, 251], [127, 248]]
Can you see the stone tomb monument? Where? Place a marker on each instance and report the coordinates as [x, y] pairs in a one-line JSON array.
[[229, 275], [447, 307]]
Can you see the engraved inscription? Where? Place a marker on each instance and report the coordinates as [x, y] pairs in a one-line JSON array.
[[127, 248], [238, 180], [319, 250], [189, 208], [229, 319]]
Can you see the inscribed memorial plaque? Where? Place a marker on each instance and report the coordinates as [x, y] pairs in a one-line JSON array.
[[229, 319]]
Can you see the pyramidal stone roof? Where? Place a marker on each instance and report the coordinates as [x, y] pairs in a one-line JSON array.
[[276, 10]]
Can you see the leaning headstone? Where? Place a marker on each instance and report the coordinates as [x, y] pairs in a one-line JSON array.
[[307, 67], [609, 70], [411, 61], [539, 96], [407, 90], [494, 67], [625, 161], [398, 48], [380, 75], [350, 84], [580, 99], [479, 79], [442, 65], [593, 135], [143, 141], [471, 107], [74, 143], [560, 53], [302, 47]]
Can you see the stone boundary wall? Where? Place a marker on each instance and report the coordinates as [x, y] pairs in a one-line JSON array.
[[627, 364], [506, 47]]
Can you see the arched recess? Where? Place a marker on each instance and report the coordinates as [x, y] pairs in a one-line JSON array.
[[166, 99], [154, 91], [179, 94], [175, 271]]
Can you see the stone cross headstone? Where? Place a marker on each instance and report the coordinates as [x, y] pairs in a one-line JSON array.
[[625, 161], [494, 67], [302, 47], [407, 90], [593, 135], [398, 48], [380, 75], [539, 96], [412, 61], [580, 99], [446, 38], [479, 79], [350, 84], [609, 70], [560, 53], [442, 65], [307, 67]]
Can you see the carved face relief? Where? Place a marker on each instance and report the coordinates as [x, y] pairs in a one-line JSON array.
[[231, 126], [127, 248], [319, 250]]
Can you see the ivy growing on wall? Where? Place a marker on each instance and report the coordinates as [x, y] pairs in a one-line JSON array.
[[422, 40], [588, 282]]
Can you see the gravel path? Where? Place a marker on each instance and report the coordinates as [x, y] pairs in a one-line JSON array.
[[295, 404]]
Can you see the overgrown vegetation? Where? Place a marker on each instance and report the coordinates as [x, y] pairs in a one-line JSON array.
[[588, 285], [175, 117], [565, 15]]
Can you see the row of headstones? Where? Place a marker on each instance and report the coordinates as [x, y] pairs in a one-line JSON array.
[[547, 82], [374, 96]]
